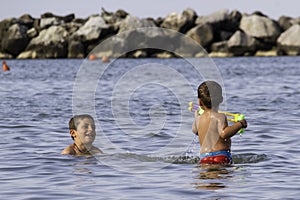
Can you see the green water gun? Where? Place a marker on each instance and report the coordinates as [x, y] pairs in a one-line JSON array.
[[232, 117]]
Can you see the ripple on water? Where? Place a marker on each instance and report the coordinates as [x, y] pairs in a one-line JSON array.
[[249, 158]]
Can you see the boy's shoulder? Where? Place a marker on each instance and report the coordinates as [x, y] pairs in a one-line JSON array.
[[69, 150], [219, 116]]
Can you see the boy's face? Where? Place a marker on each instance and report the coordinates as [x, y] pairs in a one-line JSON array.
[[86, 131]]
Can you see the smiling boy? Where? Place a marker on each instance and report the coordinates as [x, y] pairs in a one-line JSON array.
[[83, 132]]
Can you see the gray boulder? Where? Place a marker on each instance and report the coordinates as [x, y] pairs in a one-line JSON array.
[[289, 41], [221, 46], [31, 33], [15, 39], [113, 18], [72, 27], [113, 47], [187, 47], [241, 43], [295, 21], [180, 22], [224, 23], [203, 34], [91, 30], [222, 20], [132, 23], [152, 41], [130, 38], [50, 43], [260, 27], [285, 22], [140, 33], [50, 21], [76, 50], [4, 26], [26, 20], [213, 18]]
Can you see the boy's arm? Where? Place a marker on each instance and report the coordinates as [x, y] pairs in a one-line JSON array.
[[195, 123], [229, 131]]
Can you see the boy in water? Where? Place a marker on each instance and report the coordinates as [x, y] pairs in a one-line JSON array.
[[212, 127], [83, 132]]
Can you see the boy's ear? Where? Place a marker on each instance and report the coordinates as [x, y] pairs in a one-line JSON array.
[[200, 103], [73, 133]]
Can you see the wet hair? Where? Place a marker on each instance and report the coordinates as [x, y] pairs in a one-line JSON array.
[[210, 93], [74, 121]]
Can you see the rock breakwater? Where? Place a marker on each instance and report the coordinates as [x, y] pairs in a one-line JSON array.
[[223, 33]]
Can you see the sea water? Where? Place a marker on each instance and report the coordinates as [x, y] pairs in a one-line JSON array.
[[144, 129]]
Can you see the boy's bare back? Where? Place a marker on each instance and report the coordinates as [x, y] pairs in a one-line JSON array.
[[210, 126]]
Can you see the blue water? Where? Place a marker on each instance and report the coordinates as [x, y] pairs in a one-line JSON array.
[[143, 126]]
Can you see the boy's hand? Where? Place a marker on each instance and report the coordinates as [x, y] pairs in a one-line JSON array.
[[244, 123]]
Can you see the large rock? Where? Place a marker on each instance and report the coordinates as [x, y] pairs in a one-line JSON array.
[[203, 34], [72, 27], [113, 47], [221, 46], [65, 19], [15, 39], [289, 41], [224, 23], [76, 50], [130, 38], [4, 26], [285, 22], [180, 22], [31, 33], [260, 27], [49, 19], [91, 30], [51, 43], [151, 40], [26, 20], [213, 18], [295, 20], [241, 43], [132, 23], [221, 20], [113, 18]]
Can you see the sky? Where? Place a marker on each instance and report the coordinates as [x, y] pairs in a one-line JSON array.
[[150, 8]]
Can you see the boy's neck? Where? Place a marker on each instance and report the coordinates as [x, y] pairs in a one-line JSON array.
[[83, 148], [213, 109]]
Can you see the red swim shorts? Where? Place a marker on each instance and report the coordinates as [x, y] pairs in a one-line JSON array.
[[218, 157]]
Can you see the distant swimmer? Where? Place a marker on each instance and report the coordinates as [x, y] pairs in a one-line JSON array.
[[5, 66]]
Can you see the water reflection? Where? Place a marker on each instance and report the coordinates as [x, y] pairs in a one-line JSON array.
[[212, 177], [83, 166]]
